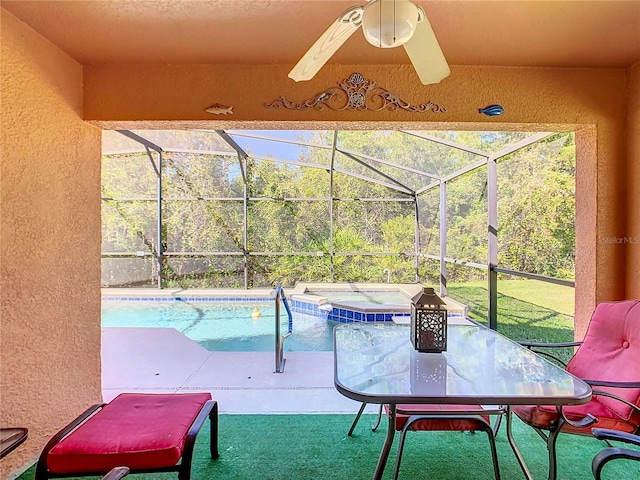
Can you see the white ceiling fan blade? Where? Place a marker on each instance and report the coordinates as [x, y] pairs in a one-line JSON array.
[[327, 44], [425, 54]]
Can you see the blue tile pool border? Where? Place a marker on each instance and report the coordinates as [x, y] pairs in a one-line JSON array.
[[341, 314]]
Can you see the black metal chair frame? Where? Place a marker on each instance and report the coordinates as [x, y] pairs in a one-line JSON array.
[[12, 438], [209, 409], [613, 453], [414, 417]]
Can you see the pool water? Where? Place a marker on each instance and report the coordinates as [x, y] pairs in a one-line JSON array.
[[221, 326]]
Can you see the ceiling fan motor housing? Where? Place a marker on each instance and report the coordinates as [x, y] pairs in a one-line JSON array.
[[389, 23]]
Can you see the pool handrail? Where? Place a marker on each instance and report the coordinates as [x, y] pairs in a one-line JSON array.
[[280, 296]]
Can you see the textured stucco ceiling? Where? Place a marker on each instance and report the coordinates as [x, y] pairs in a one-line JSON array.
[[538, 33]]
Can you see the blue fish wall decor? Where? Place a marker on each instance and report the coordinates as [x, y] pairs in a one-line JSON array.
[[492, 110]]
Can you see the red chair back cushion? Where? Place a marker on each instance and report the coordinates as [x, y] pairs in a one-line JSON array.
[[137, 430], [611, 351]]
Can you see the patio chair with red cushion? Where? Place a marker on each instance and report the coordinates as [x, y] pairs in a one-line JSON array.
[[436, 417], [608, 358], [143, 432]]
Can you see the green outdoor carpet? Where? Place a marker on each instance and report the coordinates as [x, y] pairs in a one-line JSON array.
[[301, 447]]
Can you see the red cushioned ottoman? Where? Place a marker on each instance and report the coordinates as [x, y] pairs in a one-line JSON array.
[[145, 432]]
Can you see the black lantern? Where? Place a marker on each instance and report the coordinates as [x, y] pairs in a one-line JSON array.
[[428, 322]]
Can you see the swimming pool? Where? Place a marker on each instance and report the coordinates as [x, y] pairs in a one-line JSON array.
[[221, 320], [222, 326]]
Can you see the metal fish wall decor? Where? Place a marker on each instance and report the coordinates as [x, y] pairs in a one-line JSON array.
[[219, 109]]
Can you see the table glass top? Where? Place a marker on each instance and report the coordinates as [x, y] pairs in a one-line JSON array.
[[377, 363]]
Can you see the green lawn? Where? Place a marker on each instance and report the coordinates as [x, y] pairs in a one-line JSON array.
[[527, 309]]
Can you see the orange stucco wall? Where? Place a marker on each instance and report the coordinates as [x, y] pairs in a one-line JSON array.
[[50, 243], [633, 188], [593, 102]]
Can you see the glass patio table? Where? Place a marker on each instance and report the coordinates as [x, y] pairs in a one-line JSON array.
[[376, 363]]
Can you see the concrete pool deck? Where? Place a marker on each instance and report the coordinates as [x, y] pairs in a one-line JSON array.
[[162, 360]]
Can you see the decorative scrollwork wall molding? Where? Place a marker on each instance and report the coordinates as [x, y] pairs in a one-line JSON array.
[[356, 93]]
